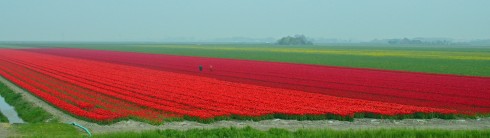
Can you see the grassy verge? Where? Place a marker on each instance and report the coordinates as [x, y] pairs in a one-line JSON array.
[[289, 117], [3, 119], [330, 117], [282, 133], [48, 130], [65, 130], [27, 111]]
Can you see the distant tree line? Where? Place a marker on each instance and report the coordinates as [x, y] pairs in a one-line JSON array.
[[414, 41], [404, 41], [294, 40]]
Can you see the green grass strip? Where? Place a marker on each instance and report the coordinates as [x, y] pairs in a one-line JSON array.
[[3, 119], [66, 130], [48, 130], [417, 115], [282, 133], [27, 111]]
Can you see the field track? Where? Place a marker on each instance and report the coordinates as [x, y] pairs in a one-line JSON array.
[[95, 84]]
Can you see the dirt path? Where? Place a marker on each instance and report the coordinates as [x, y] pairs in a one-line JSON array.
[[130, 125]]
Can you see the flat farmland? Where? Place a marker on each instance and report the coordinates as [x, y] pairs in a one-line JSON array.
[[95, 84], [464, 60], [122, 87]]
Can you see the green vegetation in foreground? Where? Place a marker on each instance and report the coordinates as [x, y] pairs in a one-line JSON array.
[[331, 117], [461, 60], [27, 111], [66, 130], [282, 133], [3, 119], [48, 130]]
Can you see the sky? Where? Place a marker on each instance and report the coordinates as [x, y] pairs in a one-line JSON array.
[[156, 20]]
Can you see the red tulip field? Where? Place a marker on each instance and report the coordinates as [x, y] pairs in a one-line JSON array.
[[107, 85]]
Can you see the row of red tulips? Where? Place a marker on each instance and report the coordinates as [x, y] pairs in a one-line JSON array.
[[21, 81], [107, 108]]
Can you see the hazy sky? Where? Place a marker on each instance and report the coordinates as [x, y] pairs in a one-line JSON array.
[[152, 20]]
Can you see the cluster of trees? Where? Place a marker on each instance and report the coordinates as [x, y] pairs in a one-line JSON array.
[[294, 40]]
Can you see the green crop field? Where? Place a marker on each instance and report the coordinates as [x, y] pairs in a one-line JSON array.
[[460, 60]]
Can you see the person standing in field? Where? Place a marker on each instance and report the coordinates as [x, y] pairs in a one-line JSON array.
[[211, 68], [200, 67]]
